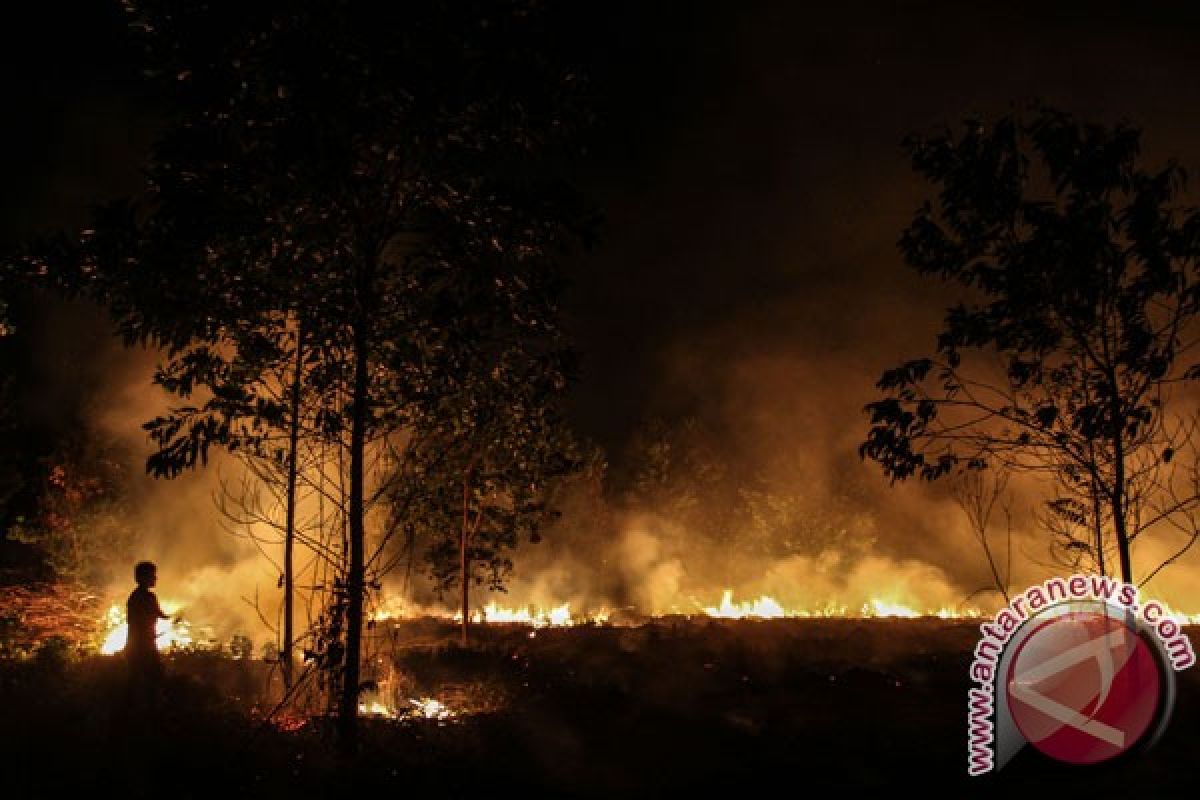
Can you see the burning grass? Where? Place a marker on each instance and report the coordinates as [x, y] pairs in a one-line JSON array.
[[31, 615], [170, 634], [677, 705], [727, 698]]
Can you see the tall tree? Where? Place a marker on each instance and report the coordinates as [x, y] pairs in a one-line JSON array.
[[1071, 355], [341, 180]]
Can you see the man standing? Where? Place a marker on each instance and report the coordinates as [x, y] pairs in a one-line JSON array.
[[142, 613]]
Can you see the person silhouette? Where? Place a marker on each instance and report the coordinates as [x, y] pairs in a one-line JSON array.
[[142, 613]]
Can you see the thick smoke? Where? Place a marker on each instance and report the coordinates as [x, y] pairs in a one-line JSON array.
[[218, 578], [787, 419]]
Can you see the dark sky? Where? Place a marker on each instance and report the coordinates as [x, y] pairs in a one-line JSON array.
[[747, 158], [754, 179]]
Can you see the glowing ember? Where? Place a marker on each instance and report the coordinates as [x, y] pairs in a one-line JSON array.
[[424, 708], [45, 611], [376, 709], [169, 633], [430, 708]]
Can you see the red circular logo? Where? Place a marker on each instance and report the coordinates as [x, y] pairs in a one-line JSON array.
[[1083, 687]]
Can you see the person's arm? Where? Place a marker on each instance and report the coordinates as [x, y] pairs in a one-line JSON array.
[[158, 608]]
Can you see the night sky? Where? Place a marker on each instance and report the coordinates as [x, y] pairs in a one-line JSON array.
[[747, 158]]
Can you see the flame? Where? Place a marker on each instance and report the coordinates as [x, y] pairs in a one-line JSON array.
[[375, 708], [762, 608], [767, 607], [169, 634], [882, 608], [556, 616], [429, 708]]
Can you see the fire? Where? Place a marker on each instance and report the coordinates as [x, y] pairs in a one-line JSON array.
[[169, 633], [431, 708], [767, 607], [374, 708], [428, 708], [882, 608], [762, 608], [557, 616]]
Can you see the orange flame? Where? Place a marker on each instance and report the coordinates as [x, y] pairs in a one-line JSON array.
[[169, 634]]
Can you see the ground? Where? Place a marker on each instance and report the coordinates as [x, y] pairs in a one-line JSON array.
[[685, 706]]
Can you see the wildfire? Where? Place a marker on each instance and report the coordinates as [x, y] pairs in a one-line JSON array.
[[533, 616], [557, 616], [44, 611], [883, 606], [431, 708], [169, 633], [374, 708], [427, 708], [766, 607], [762, 608]]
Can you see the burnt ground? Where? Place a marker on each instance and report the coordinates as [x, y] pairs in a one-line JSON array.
[[673, 707]]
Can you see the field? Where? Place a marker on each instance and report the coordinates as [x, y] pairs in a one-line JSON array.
[[701, 707]]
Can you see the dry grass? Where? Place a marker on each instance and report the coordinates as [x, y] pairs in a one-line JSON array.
[[679, 706]]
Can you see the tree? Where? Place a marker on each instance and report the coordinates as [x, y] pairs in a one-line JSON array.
[[10, 474], [1072, 353], [493, 452], [341, 181], [676, 471], [781, 518], [80, 527], [978, 493]]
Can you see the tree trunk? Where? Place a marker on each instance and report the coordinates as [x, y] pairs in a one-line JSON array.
[[1118, 494], [1096, 513], [463, 561], [355, 580], [289, 541], [1118, 507]]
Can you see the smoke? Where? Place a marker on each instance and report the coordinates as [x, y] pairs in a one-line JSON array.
[[783, 420], [218, 579], [794, 434], [777, 434]]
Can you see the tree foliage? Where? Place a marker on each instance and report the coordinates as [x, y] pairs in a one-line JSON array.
[[1073, 351], [80, 526], [372, 187]]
